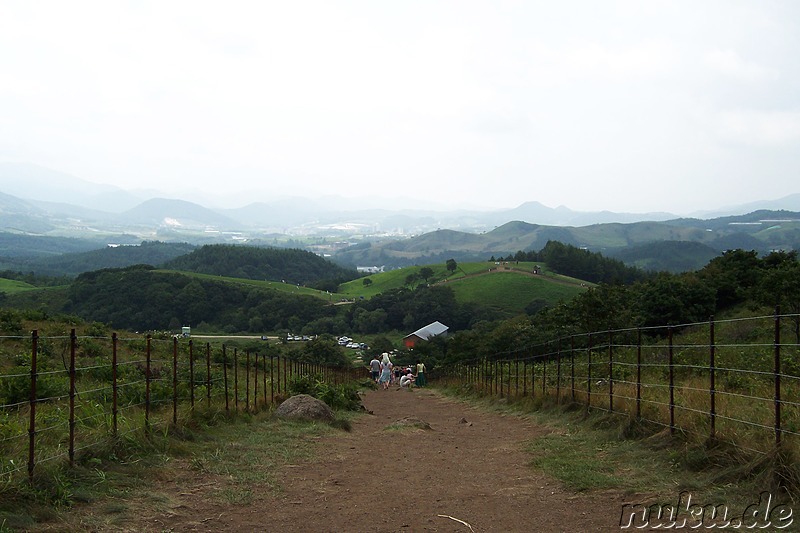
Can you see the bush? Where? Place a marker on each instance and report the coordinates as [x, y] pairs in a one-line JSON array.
[[342, 397]]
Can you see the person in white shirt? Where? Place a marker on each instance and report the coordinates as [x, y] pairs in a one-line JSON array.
[[407, 380]]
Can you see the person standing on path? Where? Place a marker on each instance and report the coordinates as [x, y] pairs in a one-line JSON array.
[[375, 368], [386, 372], [420, 381]]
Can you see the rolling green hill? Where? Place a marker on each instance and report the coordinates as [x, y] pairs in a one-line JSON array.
[[11, 286], [506, 288]]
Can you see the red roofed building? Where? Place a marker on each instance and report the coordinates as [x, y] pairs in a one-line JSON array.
[[433, 329]]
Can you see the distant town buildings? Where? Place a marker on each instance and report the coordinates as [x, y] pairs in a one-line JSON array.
[[371, 269]]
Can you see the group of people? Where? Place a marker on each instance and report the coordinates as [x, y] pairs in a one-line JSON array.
[[386, 373]]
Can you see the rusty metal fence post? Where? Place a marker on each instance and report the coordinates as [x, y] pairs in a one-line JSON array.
[[114, 383], [174, 380], [32, 407], [255, 385], [264, 374], [777, 377], [225, 377], [191, 374], [544, 376], [610, 371], [73, 341], [236, 380], [712, 386], [671, 384], [247, 382], [558, 373], [589, 374], [572, 364], [208, 374], [147, 387], [638, 372]]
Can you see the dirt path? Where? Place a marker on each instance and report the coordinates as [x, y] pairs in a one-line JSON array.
[[469, 470]]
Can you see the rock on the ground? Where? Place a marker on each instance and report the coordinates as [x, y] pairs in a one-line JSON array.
[[305, 407], [411, 421]]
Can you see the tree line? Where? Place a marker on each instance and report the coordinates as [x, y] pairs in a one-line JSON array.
[[578, 263]]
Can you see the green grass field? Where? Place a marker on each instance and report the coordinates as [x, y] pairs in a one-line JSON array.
[[11, 286], [276, 285], [511, 292], [508, 287]]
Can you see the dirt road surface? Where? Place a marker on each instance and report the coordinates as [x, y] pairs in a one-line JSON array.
[[469, 472]]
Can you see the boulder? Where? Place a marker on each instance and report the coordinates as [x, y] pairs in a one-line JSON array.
[[412, 422], [304, 407]]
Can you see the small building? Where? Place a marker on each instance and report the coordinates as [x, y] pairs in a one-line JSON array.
[[370, 269], [434, 329]]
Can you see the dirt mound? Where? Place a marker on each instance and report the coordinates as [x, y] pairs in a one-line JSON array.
[[304, 407]]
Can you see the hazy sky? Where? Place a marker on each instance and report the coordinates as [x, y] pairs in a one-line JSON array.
[[619, 105]]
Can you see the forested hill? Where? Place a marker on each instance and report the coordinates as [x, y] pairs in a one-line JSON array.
[[141, 297], [272, 264]]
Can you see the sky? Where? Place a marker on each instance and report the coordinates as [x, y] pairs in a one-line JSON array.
[[628, 106]]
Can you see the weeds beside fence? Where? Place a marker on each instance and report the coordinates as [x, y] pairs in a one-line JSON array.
[[732, 380], [77, 392]]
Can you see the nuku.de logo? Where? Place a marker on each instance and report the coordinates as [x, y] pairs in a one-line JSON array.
[[687, 515]]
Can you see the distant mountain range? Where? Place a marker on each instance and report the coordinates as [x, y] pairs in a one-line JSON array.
[[38, 200], [43, 204]]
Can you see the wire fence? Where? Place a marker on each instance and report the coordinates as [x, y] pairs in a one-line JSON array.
[[63, 394], [737, 380]]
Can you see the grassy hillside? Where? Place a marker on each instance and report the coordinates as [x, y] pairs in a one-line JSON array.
[[11, 286], [504, 288], [510, 292], [287, 288], [507, 288]]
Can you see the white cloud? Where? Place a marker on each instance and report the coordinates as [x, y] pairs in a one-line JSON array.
[[730, 64], [471, 101], [760, 128]]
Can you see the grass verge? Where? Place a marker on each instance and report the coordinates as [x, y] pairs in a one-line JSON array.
[[235, 460], [599, 451]]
